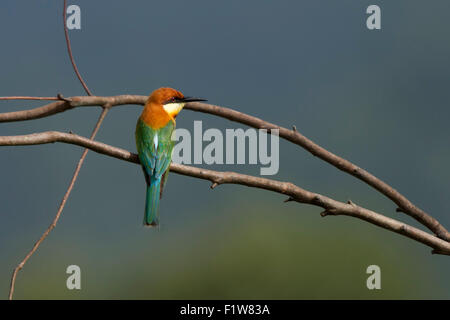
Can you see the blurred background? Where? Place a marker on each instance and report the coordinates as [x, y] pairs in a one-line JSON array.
[[378, 98]]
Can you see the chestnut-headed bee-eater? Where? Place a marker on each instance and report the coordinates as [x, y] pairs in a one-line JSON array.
[[154, 143]]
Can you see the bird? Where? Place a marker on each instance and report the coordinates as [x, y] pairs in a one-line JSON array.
[[154, 144]]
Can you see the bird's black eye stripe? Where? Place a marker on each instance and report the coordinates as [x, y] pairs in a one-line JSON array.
[[172, 100]]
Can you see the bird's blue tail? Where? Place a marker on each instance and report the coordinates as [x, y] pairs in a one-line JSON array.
[[151, 217]]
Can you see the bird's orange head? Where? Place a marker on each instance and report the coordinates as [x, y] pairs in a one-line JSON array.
[[163, 105], [163, 96]]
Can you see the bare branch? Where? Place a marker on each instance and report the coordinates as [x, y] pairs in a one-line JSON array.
[[69, 103], [293, 136], [295, 193]]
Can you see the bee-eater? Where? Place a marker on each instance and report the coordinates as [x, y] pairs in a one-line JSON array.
[[154, 143]]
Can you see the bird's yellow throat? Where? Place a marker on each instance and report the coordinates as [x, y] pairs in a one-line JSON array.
[[173, 108]]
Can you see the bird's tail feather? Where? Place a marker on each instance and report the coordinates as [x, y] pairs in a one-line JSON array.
[[151, 217]]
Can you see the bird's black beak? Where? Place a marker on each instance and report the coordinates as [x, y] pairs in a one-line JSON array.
[[191, 99]]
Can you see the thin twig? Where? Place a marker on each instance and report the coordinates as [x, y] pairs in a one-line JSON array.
[[295, 193], [69, 50], [61, 206], [29, 98]]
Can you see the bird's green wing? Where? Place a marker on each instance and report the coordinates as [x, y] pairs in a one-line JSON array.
[[154, 148]]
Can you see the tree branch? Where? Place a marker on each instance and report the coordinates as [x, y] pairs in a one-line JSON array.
[[293, 136], [66, 104], [295, 193], [28, 98]]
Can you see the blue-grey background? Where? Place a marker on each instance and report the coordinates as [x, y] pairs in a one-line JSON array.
[[378, 98]]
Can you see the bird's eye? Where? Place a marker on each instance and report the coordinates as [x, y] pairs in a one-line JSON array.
[[173, 99]]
